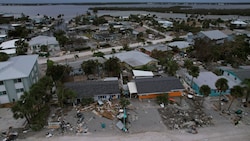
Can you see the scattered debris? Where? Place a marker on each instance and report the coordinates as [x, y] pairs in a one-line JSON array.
[[176, 118]]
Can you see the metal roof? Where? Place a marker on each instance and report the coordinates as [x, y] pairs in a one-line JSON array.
[[160, 47], [243, 72], [158, 85], [209, 78], [8, 44], [9, 51], [43, 40], [140, 73], [17, 67], [132, 88], [133, 58], [92, 88], [179, 44], [214, 34]]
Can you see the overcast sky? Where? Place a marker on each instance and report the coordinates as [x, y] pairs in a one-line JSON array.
[[70, 1]]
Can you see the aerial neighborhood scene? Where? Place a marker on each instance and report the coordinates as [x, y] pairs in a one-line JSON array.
[[125, 70]]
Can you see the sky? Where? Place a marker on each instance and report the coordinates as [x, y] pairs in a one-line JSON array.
[[71, 1]]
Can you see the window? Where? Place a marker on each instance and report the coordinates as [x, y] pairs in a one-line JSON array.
[[18, 80], [3, 93], [19, 90], [1, 82]]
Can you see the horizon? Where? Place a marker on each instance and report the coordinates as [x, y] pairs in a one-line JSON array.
[[120, 1]]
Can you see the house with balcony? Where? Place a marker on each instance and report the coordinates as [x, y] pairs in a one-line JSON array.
[[17, 75]]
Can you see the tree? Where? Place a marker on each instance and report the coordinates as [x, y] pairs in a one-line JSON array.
[[44, 48], [171, 67], [33, 105], [124, 102], [64, 95], [19, 32], [194, 72], [112, 66], [222, 86], [188, 63], [3, 56], [162, 99], [90, 67], [236, 92], [205, 90], [246, 84], [21, 47], [87, 101], [57, 72], [61, 37], [98, 54]]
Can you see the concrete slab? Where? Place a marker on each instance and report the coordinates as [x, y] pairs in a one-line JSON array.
[[7, 120]]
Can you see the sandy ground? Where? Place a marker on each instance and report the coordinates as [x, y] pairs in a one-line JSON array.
[[147, 127]]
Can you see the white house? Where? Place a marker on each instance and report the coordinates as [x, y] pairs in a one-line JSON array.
[[8, 47], [166, 24], [16, 76], [238, 24], [51, 42]]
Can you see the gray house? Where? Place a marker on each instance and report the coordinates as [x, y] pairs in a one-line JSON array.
[[16, 76], [215, 36], [99, 90]]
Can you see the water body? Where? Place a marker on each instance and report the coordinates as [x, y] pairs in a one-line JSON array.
[[71, 11]]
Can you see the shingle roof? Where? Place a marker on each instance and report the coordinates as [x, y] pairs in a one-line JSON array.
[[17, 67], [214, 34], [92, 88], [158, 85], [133, 58]]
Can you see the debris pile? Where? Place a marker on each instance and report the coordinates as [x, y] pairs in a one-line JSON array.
[[176, 118], [107, 109]]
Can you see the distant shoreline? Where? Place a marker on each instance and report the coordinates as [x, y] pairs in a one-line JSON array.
[[123, 3]]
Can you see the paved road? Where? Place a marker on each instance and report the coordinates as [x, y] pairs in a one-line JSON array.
[[104, 50]]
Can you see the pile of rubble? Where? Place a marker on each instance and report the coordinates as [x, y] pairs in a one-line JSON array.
[[176, 118], [105, 109]]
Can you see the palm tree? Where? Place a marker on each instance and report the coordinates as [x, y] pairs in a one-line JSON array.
[[246, 84], [236, 92], [194, 72], [171, 67], [222, 86], [205, 90]]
